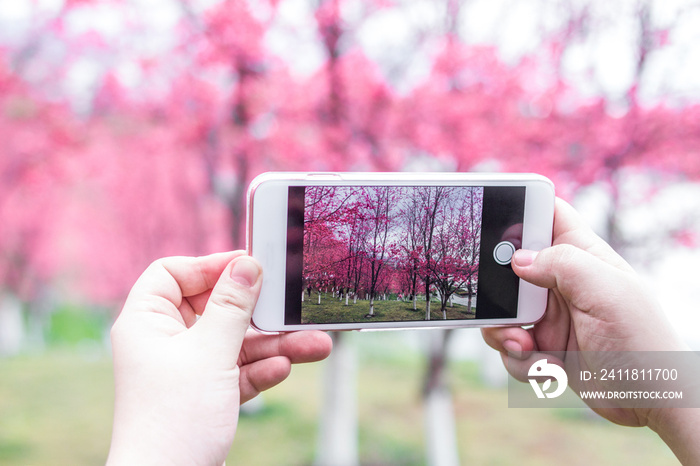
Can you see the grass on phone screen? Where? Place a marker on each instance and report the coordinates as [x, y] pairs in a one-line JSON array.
[[334, 310]]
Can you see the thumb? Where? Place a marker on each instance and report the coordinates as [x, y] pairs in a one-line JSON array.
[[578, 275], [226, 316]]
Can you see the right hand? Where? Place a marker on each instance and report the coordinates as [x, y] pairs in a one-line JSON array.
[[596, 303]]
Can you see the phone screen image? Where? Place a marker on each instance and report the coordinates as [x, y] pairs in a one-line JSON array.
[[358, 254]]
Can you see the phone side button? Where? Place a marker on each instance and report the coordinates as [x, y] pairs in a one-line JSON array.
[[503, 252]]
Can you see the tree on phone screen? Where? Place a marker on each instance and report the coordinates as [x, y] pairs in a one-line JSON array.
[[410, 249], [430, 203], [377, 202], [323, 250], [457, 240]]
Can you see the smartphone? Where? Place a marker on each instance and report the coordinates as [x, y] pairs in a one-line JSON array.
[[370, 251]]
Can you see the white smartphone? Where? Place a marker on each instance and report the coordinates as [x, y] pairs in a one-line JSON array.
[[356, 251]]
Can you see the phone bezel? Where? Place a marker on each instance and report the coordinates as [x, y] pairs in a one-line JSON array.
[[267, 228]]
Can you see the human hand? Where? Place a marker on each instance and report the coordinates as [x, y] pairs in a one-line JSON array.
[[179, 379], [596, 303]]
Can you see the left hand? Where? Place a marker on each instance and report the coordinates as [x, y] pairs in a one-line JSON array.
[[179, 379]]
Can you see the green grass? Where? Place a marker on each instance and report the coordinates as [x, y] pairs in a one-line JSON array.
[[333, 310], [70, 325], [56, 408]]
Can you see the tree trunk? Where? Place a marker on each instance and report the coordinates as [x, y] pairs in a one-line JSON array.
[[12, 328], [337, 435], [440, 437], [440, 430]]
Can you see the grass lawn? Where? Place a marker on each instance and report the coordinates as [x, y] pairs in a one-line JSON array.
[[334, 310], [56, 408]]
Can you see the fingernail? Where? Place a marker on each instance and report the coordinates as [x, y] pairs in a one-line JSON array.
[[245, 272], [513, 348], [524, 257]]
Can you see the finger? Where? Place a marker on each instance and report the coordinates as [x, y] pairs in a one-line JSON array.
[[513, 340], [261, 375], [226, 316], [199, 302], [571, 228], [173, 278], [567, 219], [582, 279], [553, 331], [188, 313], [518, 368], [298, 347]]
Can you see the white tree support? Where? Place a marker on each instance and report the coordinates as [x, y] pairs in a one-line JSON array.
[[337, 434]]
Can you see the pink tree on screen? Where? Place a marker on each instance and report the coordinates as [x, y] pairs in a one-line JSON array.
[[410, 250], [376, 202], [457, 238], [357, 221], [430, 202], [324, 250], [352, 266]]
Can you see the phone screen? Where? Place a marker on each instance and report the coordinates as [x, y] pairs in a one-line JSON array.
[[401, 253]]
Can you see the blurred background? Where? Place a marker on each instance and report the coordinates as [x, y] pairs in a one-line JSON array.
[[130, 129]]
